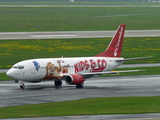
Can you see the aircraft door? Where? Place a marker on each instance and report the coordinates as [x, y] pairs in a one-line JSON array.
[[109, 65]]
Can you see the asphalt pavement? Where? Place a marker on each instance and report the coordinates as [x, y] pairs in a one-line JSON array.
[[35, 93]]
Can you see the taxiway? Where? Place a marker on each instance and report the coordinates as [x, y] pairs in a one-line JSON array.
[[145, 85], [150, 116], [75, 34]]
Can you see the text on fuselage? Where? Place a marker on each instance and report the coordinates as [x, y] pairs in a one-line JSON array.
[[93, 65]]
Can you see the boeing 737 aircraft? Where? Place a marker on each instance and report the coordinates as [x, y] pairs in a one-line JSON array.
[[73, 70]]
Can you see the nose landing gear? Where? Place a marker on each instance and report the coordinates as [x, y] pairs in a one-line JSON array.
[[22, 86]]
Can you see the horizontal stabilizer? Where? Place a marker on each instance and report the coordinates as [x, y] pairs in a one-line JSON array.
[[133, 58]]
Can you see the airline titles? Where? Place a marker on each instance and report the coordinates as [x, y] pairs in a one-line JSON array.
[[92, 65]]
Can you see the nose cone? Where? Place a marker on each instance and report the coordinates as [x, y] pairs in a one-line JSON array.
[[14, 74], [10, 73]]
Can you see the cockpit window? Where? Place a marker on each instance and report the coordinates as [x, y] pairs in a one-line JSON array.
[[14, 67], [18, 67], [21, 67]]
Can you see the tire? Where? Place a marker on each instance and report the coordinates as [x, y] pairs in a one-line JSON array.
[[22, 86], [58, 83], [79, 85]]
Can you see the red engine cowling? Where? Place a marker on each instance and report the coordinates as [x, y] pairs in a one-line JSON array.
[[74, 79]]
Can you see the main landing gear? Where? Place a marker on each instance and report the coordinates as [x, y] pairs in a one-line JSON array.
[[79, 85], [58, 83]]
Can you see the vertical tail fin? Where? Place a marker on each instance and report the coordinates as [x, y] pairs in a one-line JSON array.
[[115, 46]]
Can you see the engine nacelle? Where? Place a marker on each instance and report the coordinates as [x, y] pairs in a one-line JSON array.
[[74, 79]]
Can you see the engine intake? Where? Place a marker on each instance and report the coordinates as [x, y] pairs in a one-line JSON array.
[[74, 79]]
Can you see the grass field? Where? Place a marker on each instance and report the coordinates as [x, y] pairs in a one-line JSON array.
[[77, 18], [13, 51], [45, 2], [94, 106], [14, 19], [3, 77]]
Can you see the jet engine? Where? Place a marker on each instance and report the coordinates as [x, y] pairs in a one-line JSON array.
[[74, 79]]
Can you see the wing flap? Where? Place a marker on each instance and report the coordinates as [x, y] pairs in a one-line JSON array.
[[108, 72]]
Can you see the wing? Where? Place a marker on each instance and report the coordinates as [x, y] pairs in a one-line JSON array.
[[89, 75], [109, 72]]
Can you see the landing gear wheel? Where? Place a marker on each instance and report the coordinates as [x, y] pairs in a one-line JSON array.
[[79, 85], [22, 86], [16, 81], [58, 83]]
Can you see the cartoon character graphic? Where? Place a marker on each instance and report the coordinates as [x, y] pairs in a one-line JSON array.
[[65, 69], [36, 64], [50, 68], [53, 71]]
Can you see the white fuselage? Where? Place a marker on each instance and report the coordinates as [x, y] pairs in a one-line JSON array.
[[36, 70]]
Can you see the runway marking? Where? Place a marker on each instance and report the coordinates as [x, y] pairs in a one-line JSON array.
[[79, 5], [54, 35], [119, 15], [24, 96]]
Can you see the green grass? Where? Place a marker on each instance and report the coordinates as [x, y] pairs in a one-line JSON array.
[[13, 51], [94, 106], [73, 18], [3, 77], [77, 18], [45, 2]]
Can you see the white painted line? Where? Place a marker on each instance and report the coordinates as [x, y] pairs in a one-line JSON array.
[[54, 35]]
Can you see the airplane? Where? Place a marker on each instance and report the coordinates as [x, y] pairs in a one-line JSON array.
[[74, 71]]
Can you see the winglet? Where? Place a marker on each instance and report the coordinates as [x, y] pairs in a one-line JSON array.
[[115, 46]]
